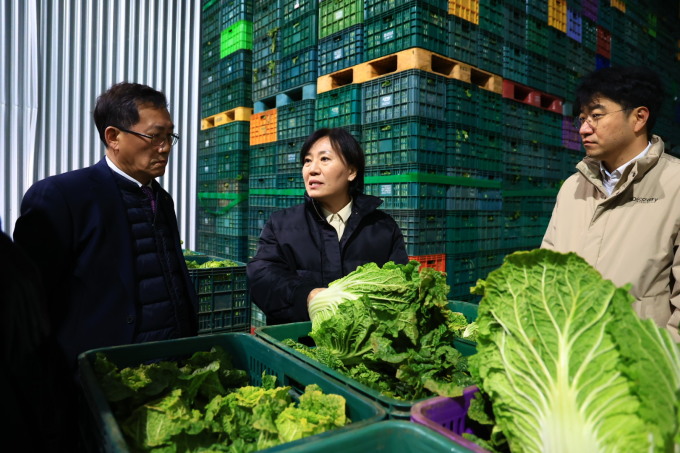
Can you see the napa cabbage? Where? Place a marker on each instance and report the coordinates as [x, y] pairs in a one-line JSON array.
[[567, 364]]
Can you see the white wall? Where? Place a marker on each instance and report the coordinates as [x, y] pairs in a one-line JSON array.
[[57, 56]]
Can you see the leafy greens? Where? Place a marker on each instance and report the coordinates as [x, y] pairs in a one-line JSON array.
[[207, 405], [390, 328], [568, 365]]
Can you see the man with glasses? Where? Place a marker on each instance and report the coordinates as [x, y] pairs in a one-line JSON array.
[[621, 210], [105, 238]]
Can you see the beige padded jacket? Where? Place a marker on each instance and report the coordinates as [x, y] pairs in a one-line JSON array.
[[630, 236]]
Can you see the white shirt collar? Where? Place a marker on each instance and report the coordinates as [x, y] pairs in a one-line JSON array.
[[113, 167], [610, 179], [339, 219]]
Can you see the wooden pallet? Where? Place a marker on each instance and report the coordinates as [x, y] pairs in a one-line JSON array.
[[414, 58], [229, 116]]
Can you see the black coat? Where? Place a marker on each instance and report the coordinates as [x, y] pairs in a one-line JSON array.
[[299, 250]]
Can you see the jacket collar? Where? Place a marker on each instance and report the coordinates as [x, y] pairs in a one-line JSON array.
[[590, 168]]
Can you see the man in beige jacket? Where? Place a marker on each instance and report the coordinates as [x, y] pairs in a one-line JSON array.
[[621, 210]]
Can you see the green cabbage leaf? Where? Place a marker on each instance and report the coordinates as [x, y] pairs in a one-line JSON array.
[[568, 365]]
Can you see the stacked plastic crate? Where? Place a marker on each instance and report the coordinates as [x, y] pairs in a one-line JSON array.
[[284, 90], [226, 106]]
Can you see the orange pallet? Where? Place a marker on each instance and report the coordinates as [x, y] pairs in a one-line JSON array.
[[235, 114], [526, 95], [414, 58], [263, 127], [436, 262]]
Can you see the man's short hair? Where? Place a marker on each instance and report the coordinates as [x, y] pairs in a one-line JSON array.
[[630, 87], [119, 105]]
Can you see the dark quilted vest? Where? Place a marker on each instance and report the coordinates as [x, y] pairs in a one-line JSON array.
[[162, 302]]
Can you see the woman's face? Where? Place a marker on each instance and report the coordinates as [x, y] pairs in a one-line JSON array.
[[327, 176]]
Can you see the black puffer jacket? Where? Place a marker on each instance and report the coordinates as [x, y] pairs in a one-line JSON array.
[[299, 251]]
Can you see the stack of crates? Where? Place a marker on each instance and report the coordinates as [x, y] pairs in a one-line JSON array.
[[463, 108], [284, 91], [223, 148]]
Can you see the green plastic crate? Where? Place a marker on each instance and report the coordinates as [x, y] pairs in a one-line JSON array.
[[339, 107], [237, 37], [336, 15], [394, 436], [223, 296], [235, 246], [299, 331], [341, 50], [247, 352], [413, 24]]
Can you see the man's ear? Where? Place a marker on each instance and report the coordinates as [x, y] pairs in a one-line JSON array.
[[111, 137], [641, 115]]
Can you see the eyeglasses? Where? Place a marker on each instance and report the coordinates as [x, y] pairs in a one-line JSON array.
[[156, 139], [593, 118]]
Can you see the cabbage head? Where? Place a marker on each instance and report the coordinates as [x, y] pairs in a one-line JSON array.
[[393, 283], [568, 365]]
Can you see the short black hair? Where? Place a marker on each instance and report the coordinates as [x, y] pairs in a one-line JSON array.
[[119, 105], [350, 150], [631, 87]]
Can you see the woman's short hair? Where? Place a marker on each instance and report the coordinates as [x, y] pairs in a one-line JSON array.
[[349, 149]]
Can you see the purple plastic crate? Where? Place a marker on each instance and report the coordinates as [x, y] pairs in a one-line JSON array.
[[447, 416], [590, 9], [570, 136], [574, 25]]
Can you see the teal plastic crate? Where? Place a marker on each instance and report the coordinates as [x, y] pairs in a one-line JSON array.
[[463, 40], [340, 107], [299, 69], [412, 24], [473, 230], [374, 8], [407, 195], [223, 296], [407, 140], [299, 331], [407, 93], [489, 51], [288, 156], [248, 353], [262, 160], [294, 121], [424, 231], [299, 34], [224, 245], [341, 50], [294, 9], [394, 436]]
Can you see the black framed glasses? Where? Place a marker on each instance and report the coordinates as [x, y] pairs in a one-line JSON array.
[[156, 139], [593, 118]]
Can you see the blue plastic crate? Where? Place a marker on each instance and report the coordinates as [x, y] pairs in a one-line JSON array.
[[407, 93], [424, 231], [341, 50]]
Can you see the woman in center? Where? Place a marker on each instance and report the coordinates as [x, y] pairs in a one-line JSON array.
[[338, 228]]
